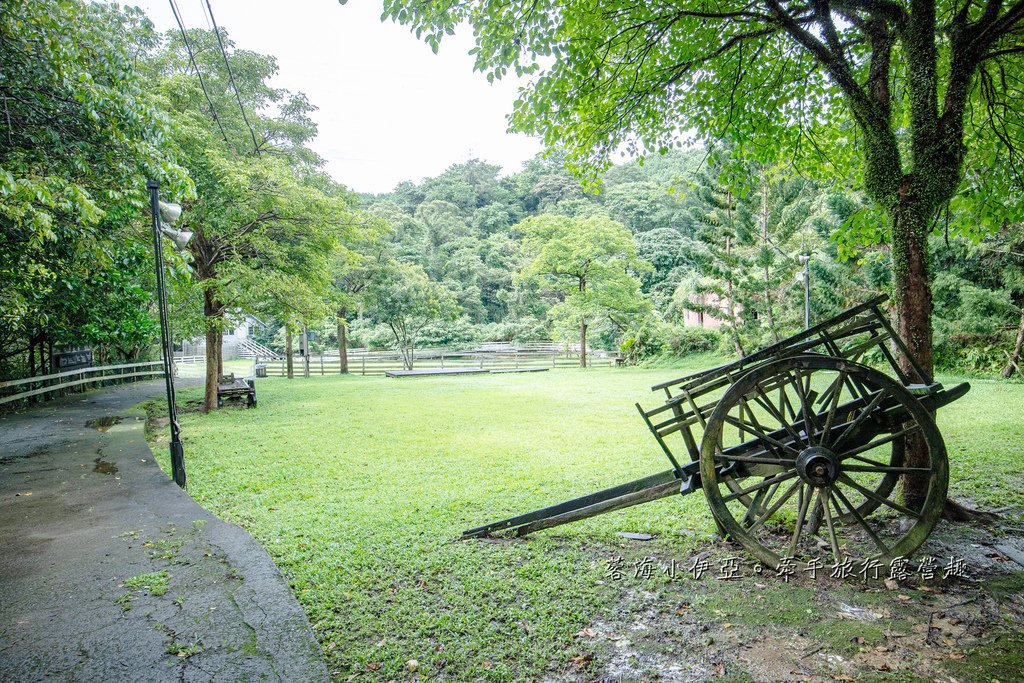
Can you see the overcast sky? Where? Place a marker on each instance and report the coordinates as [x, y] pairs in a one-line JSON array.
[[389, 108]]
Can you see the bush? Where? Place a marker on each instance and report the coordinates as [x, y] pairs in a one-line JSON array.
[[688, 340], [660, 340], [376, 337]]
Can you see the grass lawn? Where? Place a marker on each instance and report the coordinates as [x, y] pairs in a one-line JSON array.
[[359, 487]]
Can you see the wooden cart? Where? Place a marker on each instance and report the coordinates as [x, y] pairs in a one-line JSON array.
[[798, 448]]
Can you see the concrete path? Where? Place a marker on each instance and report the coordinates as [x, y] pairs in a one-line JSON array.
[[109, 572]]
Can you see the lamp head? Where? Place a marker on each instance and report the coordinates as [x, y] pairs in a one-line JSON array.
[[180, 238], [170, 213], [804, 258]]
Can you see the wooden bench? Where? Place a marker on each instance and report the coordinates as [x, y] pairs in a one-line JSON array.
[[229, 388]]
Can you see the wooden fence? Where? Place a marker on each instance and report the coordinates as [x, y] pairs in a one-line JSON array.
[[379, 362], [23, 389]]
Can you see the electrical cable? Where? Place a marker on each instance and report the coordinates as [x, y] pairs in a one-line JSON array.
[[231, 76], [192, 59]]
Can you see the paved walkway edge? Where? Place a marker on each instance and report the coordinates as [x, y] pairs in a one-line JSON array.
[[111, 572]]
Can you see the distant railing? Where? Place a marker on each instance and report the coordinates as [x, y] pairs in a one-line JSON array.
[[22, 389], [361, 362]]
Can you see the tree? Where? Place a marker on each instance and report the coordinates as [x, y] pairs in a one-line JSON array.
[[265, 219], [402, 297], [353, 265], [80, 135], [905, 92], [590, 266], [718, 261]]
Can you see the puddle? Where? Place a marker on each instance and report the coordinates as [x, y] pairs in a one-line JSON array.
[[104, 423], [104, 467]]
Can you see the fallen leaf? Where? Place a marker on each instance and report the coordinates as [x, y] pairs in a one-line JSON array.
[[904, 598], [373, 666], [891, 584], [412, 665], [382, 642], [487, 665], [956, 655], [581, 660], [586, 633], [726, 625], [857, 640]]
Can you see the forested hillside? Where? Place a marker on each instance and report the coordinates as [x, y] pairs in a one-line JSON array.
[[476, 254], [706, 231]]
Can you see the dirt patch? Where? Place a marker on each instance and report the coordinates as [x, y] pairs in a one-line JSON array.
[[761, 628]]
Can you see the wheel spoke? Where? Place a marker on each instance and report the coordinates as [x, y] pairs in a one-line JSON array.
[[868, 493], [867, 461], [764, 437], [880, 442], [886, 469], [755, 504], [775, 506], [860, 519], [759, 461], [826, 432], [760, 485], [809, 422], [855, 425], [766, 403], [825, 499], [806, 494]]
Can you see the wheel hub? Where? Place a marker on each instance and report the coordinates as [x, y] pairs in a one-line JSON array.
[[818, 466]]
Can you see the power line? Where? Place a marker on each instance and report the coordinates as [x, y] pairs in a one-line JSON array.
[[205, 16], [231, 76], [192, 59]]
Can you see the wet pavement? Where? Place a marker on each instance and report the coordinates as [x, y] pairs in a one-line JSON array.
[[109, 572]]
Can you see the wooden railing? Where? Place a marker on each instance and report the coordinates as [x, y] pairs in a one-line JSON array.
[[22, 389], [377, 363]]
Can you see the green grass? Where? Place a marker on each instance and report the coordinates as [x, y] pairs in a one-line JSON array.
[[154, 582], [360, 486]]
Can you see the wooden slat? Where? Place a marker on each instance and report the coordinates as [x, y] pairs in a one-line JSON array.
[[87, 380], [70, 373]]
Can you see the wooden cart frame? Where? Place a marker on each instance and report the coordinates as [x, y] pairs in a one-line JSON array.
[[798, 447]]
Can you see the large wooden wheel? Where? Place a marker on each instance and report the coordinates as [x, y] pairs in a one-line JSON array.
[[801, 457]]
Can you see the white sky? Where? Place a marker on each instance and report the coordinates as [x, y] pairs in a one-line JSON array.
[[389, 108]]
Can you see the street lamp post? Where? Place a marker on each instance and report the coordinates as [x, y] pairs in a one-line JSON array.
[[170, 213]]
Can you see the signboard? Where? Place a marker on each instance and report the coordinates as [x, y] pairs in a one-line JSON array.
[[74, 358]]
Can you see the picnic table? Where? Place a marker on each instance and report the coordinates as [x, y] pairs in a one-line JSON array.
[[230, 388]]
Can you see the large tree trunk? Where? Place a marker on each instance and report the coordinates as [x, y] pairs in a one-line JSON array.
[[289, 353], [912, 299], [212, 311], [343, 341], [583, 343], [1014, 363]]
